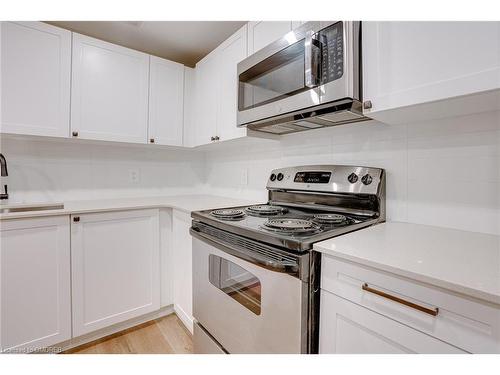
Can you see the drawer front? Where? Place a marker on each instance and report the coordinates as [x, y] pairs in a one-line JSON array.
[[347, 328], [462, 322]]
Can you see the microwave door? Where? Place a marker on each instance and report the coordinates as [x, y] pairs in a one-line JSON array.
[[282, 82]]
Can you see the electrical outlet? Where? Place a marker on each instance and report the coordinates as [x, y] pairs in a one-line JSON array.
[[244, 177], [134, 176]]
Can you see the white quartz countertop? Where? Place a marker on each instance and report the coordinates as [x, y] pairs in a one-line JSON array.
[[187, 203], [460, 261]]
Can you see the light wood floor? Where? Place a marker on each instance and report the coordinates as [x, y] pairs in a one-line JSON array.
[[166, 335]]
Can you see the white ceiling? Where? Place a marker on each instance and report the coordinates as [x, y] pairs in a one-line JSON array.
[[185, 42]]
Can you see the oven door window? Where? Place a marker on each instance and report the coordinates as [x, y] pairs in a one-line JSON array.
[[239, 284], [274, 78]]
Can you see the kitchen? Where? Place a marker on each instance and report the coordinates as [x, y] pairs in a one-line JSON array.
[[277, 187]]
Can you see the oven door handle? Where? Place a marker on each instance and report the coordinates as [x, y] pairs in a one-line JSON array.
[[312, 57], [289, 267]]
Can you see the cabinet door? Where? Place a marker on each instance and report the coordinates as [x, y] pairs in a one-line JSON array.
[[410, 63], [262, 33], [109, 93], [229, 54], [115, 267], [166, 99], [166, 257], [183, 274], [36, 74], [348, 328], [190, 111], [206, 100], [35, 299]]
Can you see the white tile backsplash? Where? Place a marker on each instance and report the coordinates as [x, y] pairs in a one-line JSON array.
[[444, 172], [59, 170]]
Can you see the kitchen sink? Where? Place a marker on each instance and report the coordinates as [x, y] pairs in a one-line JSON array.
[[27, 208]]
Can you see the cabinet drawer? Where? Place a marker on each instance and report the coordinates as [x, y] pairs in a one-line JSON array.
[[347, 328], [462, 322]]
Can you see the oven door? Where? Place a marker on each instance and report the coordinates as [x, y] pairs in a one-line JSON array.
[[314, 64], [244, 306]]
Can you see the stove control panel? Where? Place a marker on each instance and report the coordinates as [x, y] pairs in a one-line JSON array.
[[327, 178], [313, 177]]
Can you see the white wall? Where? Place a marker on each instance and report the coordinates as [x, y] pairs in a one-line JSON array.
[[444, 172], [58, 170]]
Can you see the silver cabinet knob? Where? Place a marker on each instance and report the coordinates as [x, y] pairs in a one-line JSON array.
[[217, 138], [368, 104], [212, 139]]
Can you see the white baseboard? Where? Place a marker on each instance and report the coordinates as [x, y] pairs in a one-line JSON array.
[[186, 319], [92, 336]]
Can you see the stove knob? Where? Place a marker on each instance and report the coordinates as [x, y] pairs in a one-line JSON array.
[[273, 177], [352, 178], [366, 179], [280, 176]]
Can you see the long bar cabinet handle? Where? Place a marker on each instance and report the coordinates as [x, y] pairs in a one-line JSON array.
[[433, 311]]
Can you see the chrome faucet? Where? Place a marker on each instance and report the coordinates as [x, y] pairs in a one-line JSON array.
[[4, 173]]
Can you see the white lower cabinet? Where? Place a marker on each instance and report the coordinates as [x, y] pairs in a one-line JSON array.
[[115, 267], [166, 264], [365, 310], [182, 249], [263, 33], [347, 328], [415, 71], [35, 299]]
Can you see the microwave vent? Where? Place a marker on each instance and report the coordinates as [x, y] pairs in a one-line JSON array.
[[329, 115]]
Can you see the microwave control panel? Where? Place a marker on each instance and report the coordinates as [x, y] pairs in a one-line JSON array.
[[332, 61]]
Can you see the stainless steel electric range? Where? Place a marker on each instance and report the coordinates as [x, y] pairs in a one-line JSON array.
[[255, 276]]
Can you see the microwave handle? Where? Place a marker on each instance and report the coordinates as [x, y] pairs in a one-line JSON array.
[[312, 58]]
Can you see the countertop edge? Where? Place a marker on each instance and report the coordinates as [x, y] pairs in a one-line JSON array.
[[429, 280], [131, 206]]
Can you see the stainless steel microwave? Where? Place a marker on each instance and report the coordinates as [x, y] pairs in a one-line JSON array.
[[309, 78]]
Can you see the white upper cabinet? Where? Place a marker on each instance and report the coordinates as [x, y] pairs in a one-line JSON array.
[[217, 91], [189, 107], [262, 33], [166, 102], [109, 91], [408, 64], [205, 122], [35, 295], [36, 76], [229, 54]]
